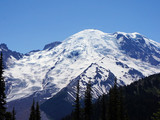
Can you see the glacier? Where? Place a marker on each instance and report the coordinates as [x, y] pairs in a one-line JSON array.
[[128, 56]]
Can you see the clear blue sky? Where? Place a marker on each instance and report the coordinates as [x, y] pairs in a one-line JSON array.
[[27, 25]]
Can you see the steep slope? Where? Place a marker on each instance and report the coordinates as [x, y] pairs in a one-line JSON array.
[[143, 97], [140, 98], [139, 47], [87, 55], [9, 56], [101, 79]]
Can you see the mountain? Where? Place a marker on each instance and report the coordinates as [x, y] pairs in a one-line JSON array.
[[143, 97], [140, 100], [46, 47], [87, 55], [9, 56], [138, 47]]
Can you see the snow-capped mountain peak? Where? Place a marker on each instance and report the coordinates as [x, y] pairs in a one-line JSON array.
[[126, 55], [87, 55]]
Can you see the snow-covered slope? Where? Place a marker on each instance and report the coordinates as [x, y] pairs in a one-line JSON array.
[[128, 56], [139, 47]]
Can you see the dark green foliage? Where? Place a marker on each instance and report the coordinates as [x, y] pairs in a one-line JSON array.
[[103, 108], [156, 115], [115, 104], [88, 102], [8, 116], [35, 112], [32, 114], [137, 101], [122, 112], [77, 104], [97, 109], [141, 97], [2, 91]]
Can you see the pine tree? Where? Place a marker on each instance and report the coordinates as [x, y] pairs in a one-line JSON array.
[[113, 103], [88, 102], [122, 112], [8, 116], [103, 103], [156, 116], [120, 106], [2, 91], [37, 112], [77, 104], [32, 114], [13, 114], [116, 109]]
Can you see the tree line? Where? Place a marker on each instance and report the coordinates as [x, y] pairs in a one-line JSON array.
[[121, 103], [35, 112], [115, 110], [4, 115]]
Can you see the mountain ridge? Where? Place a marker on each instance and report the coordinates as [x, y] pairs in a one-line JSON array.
[[46, 72], [137, 98], [9, 56], [84, 44]]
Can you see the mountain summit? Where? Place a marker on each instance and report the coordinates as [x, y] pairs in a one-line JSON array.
[[56, 67], [87, 55]]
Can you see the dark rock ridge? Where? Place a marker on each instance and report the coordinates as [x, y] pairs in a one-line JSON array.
[[7, 53], [138, 48], [51, 45]]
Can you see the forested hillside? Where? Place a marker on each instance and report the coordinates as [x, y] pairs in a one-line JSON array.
[[137, 101]]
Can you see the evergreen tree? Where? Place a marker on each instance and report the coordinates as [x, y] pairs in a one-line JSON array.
[[8, 116], [122, 111], [77, 104], [33, 113], [38, 114], [2, 91], [88, 102], [113, 103], [156, 116], [116, 109], [103, 103], [126, 117], [13, 114], [120, 106]]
